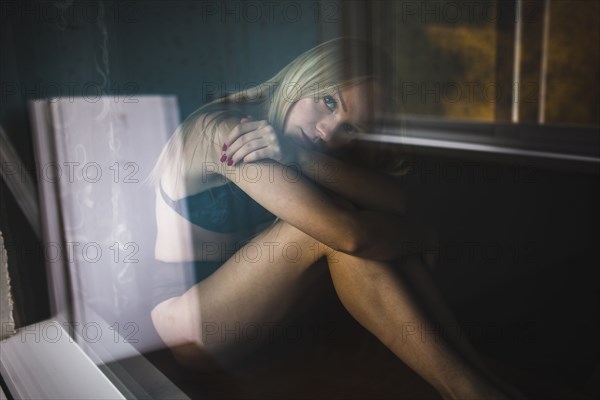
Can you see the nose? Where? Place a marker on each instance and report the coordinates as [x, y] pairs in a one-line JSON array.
[[326, 130]]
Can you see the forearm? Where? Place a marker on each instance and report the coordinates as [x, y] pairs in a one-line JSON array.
[[366, 189], [387, 236], [384, 236]]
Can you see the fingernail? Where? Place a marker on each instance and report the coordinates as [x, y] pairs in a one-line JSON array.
[[229, 161], [223, 157], [224, 146]]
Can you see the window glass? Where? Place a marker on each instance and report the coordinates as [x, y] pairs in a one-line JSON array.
[[573, 86], [445, 54], [511, 61]]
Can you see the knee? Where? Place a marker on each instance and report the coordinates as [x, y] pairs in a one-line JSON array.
[[179, 333], [290, 235], [176, 326]]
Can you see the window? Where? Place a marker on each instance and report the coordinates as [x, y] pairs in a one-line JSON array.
[[519, 61], [508, 77], [513, 78]]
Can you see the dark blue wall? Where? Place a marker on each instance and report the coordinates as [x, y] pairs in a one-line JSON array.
[[519, 243], [190, 49]]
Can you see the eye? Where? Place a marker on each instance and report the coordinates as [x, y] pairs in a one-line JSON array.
[[330, 102], [349, 128]]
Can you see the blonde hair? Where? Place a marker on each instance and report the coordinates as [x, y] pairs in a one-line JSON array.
[[324, 69]]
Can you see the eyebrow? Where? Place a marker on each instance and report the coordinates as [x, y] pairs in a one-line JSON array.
[[361, 128], [342, 101]]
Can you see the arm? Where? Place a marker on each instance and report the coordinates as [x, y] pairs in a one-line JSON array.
[[368, 189], [409, 236], [303, 204], [256, 140], [388, 236]]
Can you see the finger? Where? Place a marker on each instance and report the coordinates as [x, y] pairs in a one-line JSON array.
[[249, 150], [249, 137], [242, 129], [265, 132], [238, 131], [248, 147], [257, 155]]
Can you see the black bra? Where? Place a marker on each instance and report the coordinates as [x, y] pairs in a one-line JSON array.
[[223, 209]]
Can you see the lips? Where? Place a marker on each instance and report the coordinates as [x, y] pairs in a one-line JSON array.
[[307, 139]]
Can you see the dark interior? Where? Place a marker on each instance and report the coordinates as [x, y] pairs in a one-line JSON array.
[[518, 240]]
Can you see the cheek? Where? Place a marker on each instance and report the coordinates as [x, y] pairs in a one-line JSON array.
[[304, 110], [290, 118], [293, 114]]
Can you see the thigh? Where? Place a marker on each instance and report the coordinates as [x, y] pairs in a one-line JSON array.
[[255, 288]]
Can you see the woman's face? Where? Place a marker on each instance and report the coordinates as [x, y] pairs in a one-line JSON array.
[[334, 119]]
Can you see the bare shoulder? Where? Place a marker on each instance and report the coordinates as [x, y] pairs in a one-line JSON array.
[[198, 166], [203, 147]]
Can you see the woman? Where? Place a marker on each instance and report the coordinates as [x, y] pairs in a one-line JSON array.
[[256, 174]]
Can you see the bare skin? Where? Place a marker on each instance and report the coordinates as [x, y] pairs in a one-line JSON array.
[[268, 277], [262, 293]]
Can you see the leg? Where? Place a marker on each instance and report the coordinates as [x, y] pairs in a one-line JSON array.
[[254, 293], [380, 301], [421, 281], [256, 287]]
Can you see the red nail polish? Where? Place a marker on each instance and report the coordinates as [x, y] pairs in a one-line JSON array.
[[223, 157], [229, 161], [224, 146]]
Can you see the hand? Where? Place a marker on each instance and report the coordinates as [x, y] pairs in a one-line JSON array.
[[256, 140]]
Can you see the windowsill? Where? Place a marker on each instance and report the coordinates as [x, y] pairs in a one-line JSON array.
[[28, 364], [572, 148], [89, 369]]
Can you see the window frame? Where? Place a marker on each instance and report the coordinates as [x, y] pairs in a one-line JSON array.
[[519, 133], [573, 148]]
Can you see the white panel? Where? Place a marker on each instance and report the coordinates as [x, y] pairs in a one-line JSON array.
[[42, 362], [98, 214]]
